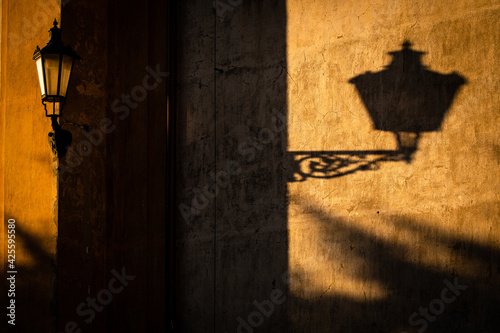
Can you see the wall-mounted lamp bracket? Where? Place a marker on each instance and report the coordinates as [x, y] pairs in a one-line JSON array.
[[59, 139]]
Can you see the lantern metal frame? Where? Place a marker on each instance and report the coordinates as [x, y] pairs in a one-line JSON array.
[[59, 139]]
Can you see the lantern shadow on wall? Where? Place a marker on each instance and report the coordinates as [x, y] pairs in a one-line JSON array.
[[405, 98]]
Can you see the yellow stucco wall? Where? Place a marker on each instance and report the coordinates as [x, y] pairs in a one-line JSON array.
[[29, 188], [378, 243]]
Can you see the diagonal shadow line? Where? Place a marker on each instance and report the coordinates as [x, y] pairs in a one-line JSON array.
[[412, 284], [34, 247], [36, 280]]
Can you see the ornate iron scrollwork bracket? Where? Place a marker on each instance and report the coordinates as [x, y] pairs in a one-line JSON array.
[[332, 164]]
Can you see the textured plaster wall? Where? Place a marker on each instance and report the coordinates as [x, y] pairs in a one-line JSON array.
[[231, 241], [112, 205], [82, 269], [29, 187], [368, 248], [365, 243]]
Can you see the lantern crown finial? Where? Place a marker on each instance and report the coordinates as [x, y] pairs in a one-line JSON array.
[[36, 54], [406, 44], [55, 44], [55, 34]]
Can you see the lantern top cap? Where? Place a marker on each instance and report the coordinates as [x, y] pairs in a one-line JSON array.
[[407, 49], [55, 34], [55, 45]]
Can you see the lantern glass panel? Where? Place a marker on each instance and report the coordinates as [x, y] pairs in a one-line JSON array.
[[67, 64], [53, 109], [52, 73], [39, 68]]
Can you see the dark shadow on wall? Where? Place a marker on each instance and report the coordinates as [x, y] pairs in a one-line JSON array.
[[112, 206], [413, 299], [232, 244], [333, 164], [406, 98]]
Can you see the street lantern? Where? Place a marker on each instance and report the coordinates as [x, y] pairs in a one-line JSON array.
[[54, 63]]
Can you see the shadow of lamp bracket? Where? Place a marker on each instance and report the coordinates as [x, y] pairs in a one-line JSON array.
[[54, 65]]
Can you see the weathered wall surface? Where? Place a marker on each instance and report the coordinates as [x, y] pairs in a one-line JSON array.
[[368, 229], [82, 269], [29, 189], [231, 231], [371, 245], [195, 292], [112, 202]]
